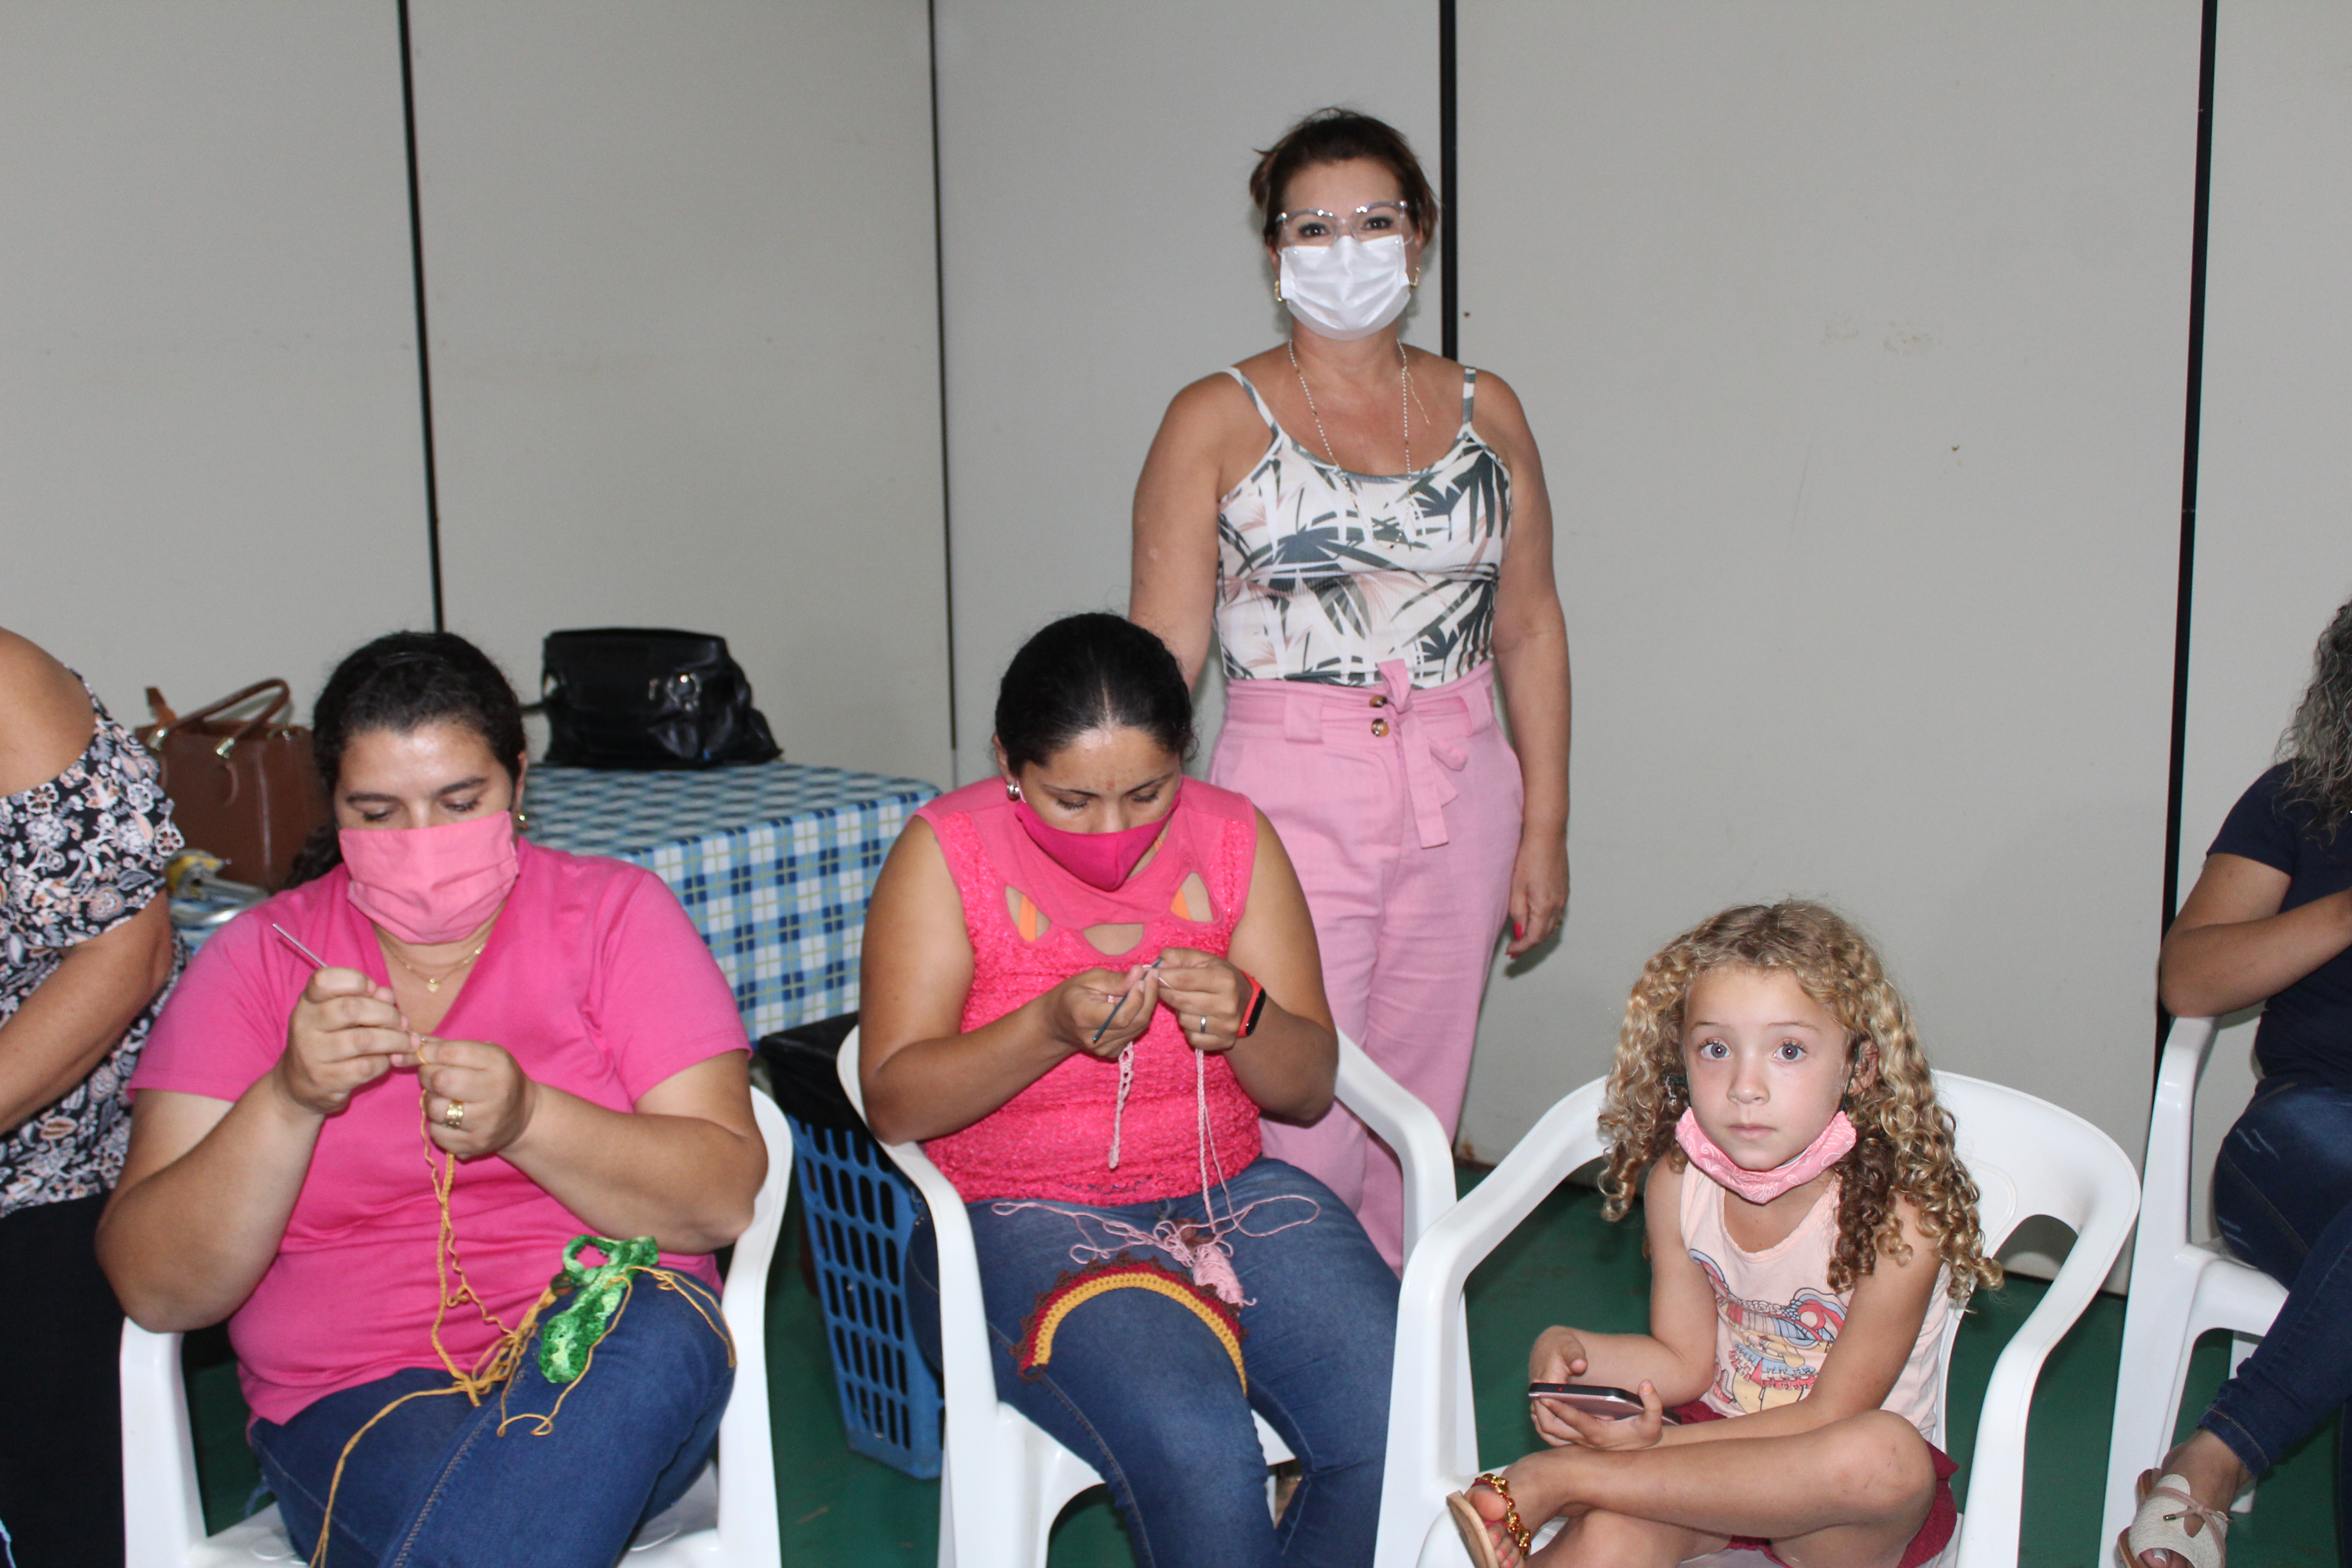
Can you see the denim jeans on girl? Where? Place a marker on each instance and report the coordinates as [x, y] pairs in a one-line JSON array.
[[2283, 1200], [1140, 1388], [434, 1484]]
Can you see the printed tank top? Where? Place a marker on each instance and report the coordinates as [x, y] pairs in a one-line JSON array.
[[1324, 574], [1028, 918], [1776, 1317]]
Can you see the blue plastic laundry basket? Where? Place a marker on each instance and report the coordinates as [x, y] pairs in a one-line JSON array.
[[860, 1214]]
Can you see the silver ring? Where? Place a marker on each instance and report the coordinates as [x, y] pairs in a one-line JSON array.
[[453, 1116], [1205, 1023]]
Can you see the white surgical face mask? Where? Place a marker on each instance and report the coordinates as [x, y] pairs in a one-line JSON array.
[[1349, 288]]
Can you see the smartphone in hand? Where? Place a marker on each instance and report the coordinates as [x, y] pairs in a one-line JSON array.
[[1594, 1399]]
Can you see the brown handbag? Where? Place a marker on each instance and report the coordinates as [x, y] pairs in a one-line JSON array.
[[243, 789]]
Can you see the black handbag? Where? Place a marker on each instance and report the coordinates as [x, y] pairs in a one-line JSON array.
[[637, 697]]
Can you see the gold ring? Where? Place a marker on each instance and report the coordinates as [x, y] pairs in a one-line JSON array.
[[453, 1116]]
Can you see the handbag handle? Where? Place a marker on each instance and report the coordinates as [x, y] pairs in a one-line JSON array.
[[281, 700]]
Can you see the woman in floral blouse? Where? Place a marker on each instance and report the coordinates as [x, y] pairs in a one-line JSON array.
[[86, 955]]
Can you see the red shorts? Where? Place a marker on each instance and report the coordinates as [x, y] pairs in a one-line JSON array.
[[1935, 1531]]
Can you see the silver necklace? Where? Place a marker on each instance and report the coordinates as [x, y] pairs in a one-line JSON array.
[[1404, 405]]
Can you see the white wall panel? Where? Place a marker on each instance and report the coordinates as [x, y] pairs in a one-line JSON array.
[[2274, 534], [679, 260], [1101, 252], [1856, 340], [209, 459]]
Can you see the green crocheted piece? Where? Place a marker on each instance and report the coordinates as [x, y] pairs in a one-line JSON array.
[[566, 1339]]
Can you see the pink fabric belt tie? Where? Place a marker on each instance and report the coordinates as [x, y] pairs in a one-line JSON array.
[[1430, 789], [1420, 724]]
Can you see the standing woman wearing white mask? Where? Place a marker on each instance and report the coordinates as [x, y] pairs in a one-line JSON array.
[[1365, 526]]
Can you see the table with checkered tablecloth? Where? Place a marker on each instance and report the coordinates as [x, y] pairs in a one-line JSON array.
[[773, 862]]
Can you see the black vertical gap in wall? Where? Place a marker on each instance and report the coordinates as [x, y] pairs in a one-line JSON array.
[[1450, 221], [423, 346], [2188, 569], [940, 303]]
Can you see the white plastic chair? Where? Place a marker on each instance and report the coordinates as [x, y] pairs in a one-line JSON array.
[[164, 1519], [2179, 1288], [1002, 1481], [2028, 1157]]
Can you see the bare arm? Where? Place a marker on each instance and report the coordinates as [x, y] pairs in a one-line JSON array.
[[73, 1018], [206, 1194], [1531, 657], [921, 1075], [1676, 1357], [2232, 945], [208, 1184], [1173, 587], [682, 1166]]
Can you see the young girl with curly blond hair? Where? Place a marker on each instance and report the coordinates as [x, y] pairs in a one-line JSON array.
[[1807, 1224]]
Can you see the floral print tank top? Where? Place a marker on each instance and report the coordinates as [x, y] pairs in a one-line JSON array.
[[1324, 574], [79, 855]]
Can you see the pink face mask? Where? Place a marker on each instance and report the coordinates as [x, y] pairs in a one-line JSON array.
[[1763, 1186], [430, 885], [1102, 860]]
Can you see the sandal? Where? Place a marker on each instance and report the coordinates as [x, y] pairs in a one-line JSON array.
[[1474, 1525], [2164, 1503]]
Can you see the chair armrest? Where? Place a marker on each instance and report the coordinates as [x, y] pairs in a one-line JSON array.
[[165, 1519], [967, 1378], [2171, 1124], [1408, 1127], [1989, 1531], [1433, 1439], [748, 1527]]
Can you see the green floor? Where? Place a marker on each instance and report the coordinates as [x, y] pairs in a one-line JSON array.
[[1564, 1264]]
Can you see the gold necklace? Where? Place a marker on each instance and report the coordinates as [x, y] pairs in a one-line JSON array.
[[433, 982], [1404, 405]]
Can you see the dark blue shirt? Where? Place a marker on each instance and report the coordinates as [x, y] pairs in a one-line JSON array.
[[2307, 1029]]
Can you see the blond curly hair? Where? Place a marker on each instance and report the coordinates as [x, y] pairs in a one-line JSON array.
[[1904, 1148]]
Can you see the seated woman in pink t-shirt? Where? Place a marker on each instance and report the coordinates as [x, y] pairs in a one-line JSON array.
[[544, 1037]]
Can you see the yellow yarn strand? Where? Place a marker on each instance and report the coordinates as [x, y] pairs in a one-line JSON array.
[[496, 1366]]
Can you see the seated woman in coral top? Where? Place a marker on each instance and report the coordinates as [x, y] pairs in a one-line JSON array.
[[1085, 979]]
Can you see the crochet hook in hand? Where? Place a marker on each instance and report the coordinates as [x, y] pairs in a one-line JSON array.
[[1116, 1005]]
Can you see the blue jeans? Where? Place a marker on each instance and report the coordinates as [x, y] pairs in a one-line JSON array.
[[2283, 1200], [434, 1484], [1140, 1388]]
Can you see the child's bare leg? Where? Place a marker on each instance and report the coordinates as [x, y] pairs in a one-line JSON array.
[[1849, 1495], [1603, 1539], [1592, 1538]]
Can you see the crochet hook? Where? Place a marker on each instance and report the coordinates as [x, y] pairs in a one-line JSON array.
[[1121, 1003], [295, 943], [415, 1039]]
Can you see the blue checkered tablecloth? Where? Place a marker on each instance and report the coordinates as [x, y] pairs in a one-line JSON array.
[[774, 862]]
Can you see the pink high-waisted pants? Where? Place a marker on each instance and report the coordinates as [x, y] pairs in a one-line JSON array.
[[1401, 810]]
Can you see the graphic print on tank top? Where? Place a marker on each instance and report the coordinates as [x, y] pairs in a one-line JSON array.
[[1776, 1348], [1324, 574]]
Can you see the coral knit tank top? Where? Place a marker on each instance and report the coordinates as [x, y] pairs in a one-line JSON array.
[[1053, 1138]]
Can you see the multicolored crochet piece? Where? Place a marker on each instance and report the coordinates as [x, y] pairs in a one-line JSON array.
[[567, 1339], [1073, 1291]]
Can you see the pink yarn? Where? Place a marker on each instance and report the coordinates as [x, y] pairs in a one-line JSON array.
[[1762, 1186]]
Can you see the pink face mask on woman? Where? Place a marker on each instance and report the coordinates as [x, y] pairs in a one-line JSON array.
[[1102, 860], [1763, 1186], [430, 885]]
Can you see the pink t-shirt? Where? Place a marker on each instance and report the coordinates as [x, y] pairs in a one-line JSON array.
[[594, 978]]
